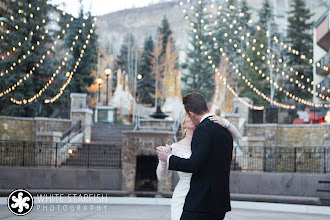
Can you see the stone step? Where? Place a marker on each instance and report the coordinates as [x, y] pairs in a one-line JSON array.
[[111, 129], [109, 133], [113, 126], [110, 140], [149, 128], [119, 136]]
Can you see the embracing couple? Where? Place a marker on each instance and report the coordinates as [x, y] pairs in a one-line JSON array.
[[202, 159]]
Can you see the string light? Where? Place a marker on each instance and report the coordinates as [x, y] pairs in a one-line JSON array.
[[57, 96], [236, 95], [37, 95], [19, 44], [276, 86], [27, 75], [24, 56], [280, 88], [294, 51], [224, 81], [300, 84], [12, 18]]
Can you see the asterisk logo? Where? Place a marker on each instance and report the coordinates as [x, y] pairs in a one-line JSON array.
[[20, 202]]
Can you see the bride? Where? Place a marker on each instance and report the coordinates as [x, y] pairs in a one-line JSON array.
[[183, 149]]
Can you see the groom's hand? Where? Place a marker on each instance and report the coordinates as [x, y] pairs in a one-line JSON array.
[[163, 154]]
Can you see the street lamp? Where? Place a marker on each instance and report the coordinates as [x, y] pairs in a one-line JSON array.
[[139, 77], [99, 81], [107, 72]]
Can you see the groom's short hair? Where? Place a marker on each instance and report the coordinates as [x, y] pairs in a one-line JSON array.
[[196, 103]]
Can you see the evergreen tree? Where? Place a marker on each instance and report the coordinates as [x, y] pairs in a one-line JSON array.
[[300, 38], [161, 63], [81, 27], [27, 43], [127, 57], [258, 54], [228, 31], [146, 86], [251, 74], [165, 32], [247, 14], [200, 76]]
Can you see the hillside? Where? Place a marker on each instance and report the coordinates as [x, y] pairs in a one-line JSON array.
[[142, 22]]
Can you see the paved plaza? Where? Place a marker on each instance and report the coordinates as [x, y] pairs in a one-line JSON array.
[[159, 209]]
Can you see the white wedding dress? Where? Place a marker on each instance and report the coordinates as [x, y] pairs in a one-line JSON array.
[[183, 186]]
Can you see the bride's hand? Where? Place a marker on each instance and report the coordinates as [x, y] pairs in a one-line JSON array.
[[166, 148], [218, 120]]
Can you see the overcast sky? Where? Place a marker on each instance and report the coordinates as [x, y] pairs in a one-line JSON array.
[[100, 7]]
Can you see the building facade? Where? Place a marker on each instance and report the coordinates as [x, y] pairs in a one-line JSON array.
[[321, 58]]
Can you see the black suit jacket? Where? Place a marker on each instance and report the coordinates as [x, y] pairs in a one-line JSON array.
[[211, 147]]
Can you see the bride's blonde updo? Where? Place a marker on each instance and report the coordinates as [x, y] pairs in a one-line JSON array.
[[183, 129]]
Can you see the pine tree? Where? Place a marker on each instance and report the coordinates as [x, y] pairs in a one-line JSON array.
[[161, 62], [81, 27], [200, 76], [228, 31], [27, 22], [251, 74], [259, 52], [127, 57], [165, 32], [146, 86], [157, 66], [300, 38], [247, 14]]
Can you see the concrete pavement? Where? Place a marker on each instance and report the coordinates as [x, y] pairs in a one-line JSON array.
[[130, 208]]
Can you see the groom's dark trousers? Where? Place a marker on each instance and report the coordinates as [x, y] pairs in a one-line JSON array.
[[186, 215], [211, 147]]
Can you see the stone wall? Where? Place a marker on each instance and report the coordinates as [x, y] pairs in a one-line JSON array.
[[256, 183], [80, 112], [14, 128], [52, 124], [51, 129], [59, 178], [285, 184], [287, 135], [31, 129], [48, 129], [136, 143]]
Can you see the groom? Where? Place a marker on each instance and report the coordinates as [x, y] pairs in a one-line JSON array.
[[211, 146]]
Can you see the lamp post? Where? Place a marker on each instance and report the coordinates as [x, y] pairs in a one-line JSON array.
[[107, 72], [99, 81]]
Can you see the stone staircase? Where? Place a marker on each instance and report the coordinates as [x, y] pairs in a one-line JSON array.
[[109, 134], [104, 149]]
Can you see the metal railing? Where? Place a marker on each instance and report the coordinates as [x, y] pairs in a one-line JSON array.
[[73, 129], [48, 154], [282, 159], [262, 159]]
